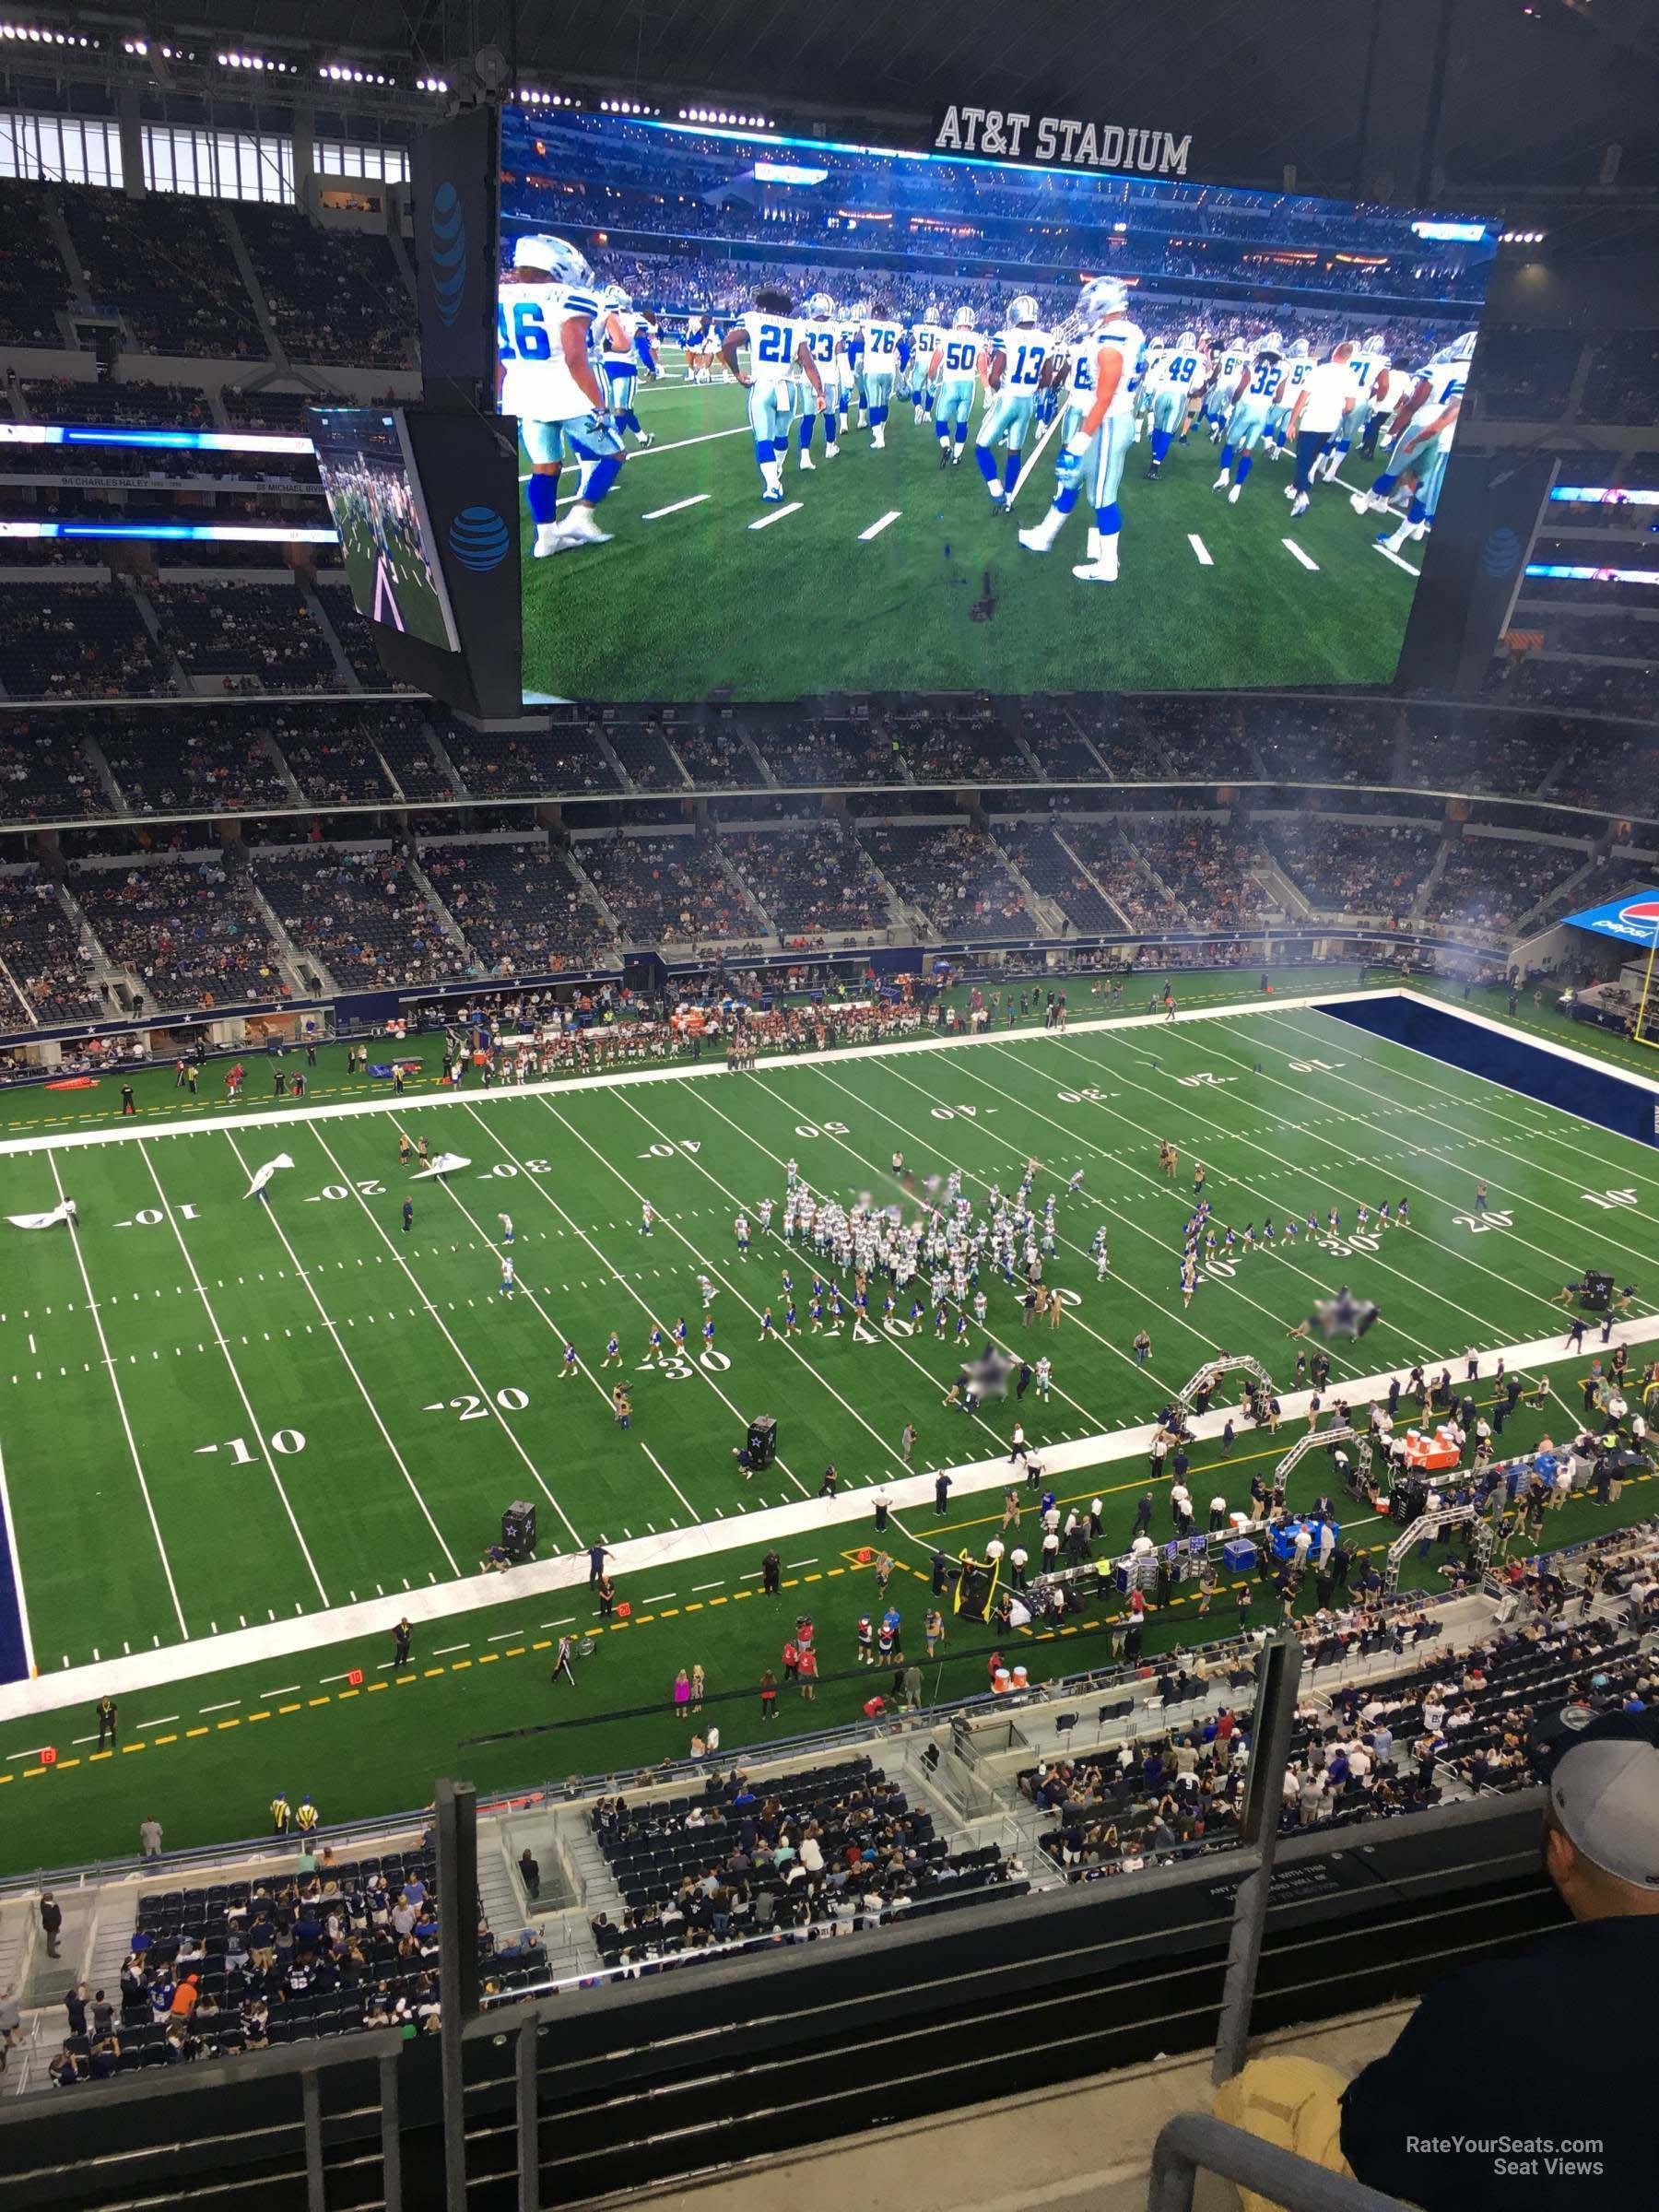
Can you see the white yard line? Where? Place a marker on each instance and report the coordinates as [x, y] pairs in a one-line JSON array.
[[775, 515], [331, 1329], [241, 1390], [1388, 554], [1200, 550], [536, 1183], [813, 1518], [1307, 559], [655, 514], [485, 1397], [120, 1409], [876, 527]]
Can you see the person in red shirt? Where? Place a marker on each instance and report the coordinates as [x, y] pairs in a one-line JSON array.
[[768, 1696], [792, 1661], [809, 1664]]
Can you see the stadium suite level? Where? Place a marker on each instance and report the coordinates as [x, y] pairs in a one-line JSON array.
[[405, 1471]]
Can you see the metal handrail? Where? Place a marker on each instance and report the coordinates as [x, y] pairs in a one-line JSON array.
[[1193, 2142]]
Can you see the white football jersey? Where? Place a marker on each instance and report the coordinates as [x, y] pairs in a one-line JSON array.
[[620, 328], [1084, 380], [773, 341], [959, 352], [823, 343], [1182, 369], [1293, 375], [1025, 349], [1233, 366], [925, 339], [881, 348], [1367, 370], [531, 319]]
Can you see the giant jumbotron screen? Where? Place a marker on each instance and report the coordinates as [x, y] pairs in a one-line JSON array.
[[803, 418]]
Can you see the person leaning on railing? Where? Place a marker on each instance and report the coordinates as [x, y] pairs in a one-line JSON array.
[[1424, 2121]]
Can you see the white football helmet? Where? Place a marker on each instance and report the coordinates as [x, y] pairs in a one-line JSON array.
[[1376, 343], [964, 319], [1023, 309], [821, 306], [1188, 341], [613, 296], [1299, 349], [555, 255], [1461, 349], [1270, 342], [932, 311], [1102, 297]]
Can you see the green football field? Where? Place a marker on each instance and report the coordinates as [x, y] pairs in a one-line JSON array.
[[218, 1415], [878, 572], [406, 577]]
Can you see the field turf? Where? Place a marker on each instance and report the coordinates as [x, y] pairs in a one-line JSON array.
[[892, 575], [215, 1414]]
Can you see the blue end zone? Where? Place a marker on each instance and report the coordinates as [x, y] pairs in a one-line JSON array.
[[14, 1654], [1594, 1094]]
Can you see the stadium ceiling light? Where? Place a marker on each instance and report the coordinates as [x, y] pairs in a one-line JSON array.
[[432, 84]]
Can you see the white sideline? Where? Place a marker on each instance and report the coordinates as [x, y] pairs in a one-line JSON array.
[[177, 1663], [241, 1647], [425, 1091]]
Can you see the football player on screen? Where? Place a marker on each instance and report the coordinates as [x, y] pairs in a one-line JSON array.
[[1013, 377], [778, 353], [545, 318], [624, 350], [822, 335], [1180, 374], [1247, 420], [1421, 430], [1367, 364], [1097, 441], [954, 373]]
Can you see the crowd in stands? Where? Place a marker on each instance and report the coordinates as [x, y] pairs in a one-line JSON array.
[[823, 752], [76, 641], [953, 874], [1594, 687], [813, 881], [333, 295], [259, 632], [336, 758], [954, 745], [1625, 636], [199, 760], [1492, 882], [1051, 872], [1206, 865], [1055, 740], [361, 911], [165, 264], [132, 404], [1103, 850], [240, 1966], [644, 750], [518, 905], [817, 1854], [1527, 375], [1623, 379], [666, 887], [188, 930], [1354, 867], [45, 774], [33, 281], [50, 970], [495, 764]]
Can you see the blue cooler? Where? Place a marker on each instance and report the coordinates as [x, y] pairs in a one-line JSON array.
[[1239, 1554]]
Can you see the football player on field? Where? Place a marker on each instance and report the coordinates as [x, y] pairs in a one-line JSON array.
[[1422, 430], [1013, 377], [545, 318], [954, 374], [624, 350], [1367, 364], [1181, 373], [1093, 455], [821, 333], [1247, 420], [777, 351]]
